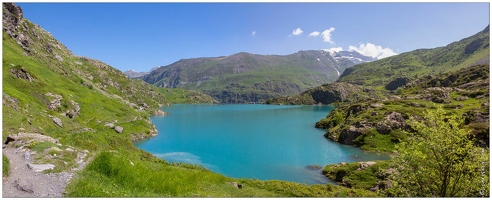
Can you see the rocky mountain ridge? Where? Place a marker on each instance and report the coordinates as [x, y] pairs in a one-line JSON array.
[[245, 77]]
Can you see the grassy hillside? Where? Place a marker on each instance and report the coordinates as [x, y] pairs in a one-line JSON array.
[[452, 57]]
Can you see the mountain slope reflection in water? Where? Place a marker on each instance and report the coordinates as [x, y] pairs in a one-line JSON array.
[[250, 141]]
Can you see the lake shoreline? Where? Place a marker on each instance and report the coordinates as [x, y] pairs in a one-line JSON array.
[[220, 153]]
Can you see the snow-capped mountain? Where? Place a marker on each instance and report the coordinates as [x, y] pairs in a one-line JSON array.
[[134, 74], [354, 56]]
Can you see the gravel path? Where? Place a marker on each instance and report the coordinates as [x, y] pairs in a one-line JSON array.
[[24, 182]]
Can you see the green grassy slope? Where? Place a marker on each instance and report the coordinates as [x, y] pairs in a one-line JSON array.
[[421, 62]]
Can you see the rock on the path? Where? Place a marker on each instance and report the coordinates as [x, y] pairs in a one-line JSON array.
[[27, 155], [40, 167], [23, 185]]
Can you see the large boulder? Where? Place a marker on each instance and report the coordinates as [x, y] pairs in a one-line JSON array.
[[118, 129]]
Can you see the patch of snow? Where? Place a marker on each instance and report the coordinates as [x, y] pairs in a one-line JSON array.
[[337, 70]]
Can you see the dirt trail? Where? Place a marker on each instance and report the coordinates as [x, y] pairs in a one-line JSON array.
[[25, 182]]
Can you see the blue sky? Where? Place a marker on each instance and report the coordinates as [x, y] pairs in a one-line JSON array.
[[141, 36]]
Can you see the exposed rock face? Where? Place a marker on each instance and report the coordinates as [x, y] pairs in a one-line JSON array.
[[11, 17], [398, 82], [393, 121], [355, 130], [12, 21], [330, 96], [22, 73]]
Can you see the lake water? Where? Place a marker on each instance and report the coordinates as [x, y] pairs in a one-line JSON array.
[[251, 141]]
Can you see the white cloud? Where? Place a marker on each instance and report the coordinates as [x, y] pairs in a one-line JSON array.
[[373, 50], [327, 35], [253, 33], [297, 31], [314, 34]]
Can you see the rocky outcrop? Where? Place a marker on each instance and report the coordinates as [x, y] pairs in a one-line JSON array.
[[347, 136], [56, 102], [12, 22], [22, 73], [434, 94], [398, 82], [73, 112], [392, 121]]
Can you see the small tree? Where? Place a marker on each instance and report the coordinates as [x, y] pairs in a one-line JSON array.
[[439, 159]]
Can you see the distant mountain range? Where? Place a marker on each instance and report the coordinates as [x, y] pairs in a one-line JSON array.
[[381, 77], [245, 77], [134, 74]]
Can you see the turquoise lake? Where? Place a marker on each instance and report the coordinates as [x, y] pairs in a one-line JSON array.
[[251, 141]]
